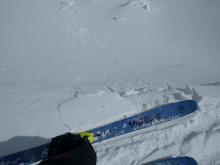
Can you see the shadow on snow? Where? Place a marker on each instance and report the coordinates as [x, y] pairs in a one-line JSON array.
[[20, 143]]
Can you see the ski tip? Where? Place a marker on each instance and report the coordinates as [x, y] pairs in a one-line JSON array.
[[190, 105], [193, 104]]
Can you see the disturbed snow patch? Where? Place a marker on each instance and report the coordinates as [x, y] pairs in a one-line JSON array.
[[125, 7], [187, 136], [66, 4], [140, 4], [147, 96], [115, 102]]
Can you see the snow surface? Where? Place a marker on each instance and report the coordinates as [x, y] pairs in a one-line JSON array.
[[71, 65]]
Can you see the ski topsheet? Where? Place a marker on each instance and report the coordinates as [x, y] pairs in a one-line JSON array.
[[174, 161], [145, 119], [139, 121]]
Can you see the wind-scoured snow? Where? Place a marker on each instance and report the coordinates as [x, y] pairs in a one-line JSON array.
[[71, 65]]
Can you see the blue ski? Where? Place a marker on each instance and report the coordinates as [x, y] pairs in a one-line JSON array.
[[174, 161], [139, 121]]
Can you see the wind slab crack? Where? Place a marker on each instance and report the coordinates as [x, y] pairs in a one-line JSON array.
[[59, 107]]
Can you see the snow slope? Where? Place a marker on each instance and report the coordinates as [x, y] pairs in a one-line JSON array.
[[71, 65]]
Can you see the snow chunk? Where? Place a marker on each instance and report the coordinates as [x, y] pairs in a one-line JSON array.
[[95, 109]]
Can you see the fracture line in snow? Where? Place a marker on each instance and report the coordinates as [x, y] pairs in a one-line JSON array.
[[60, 109]]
